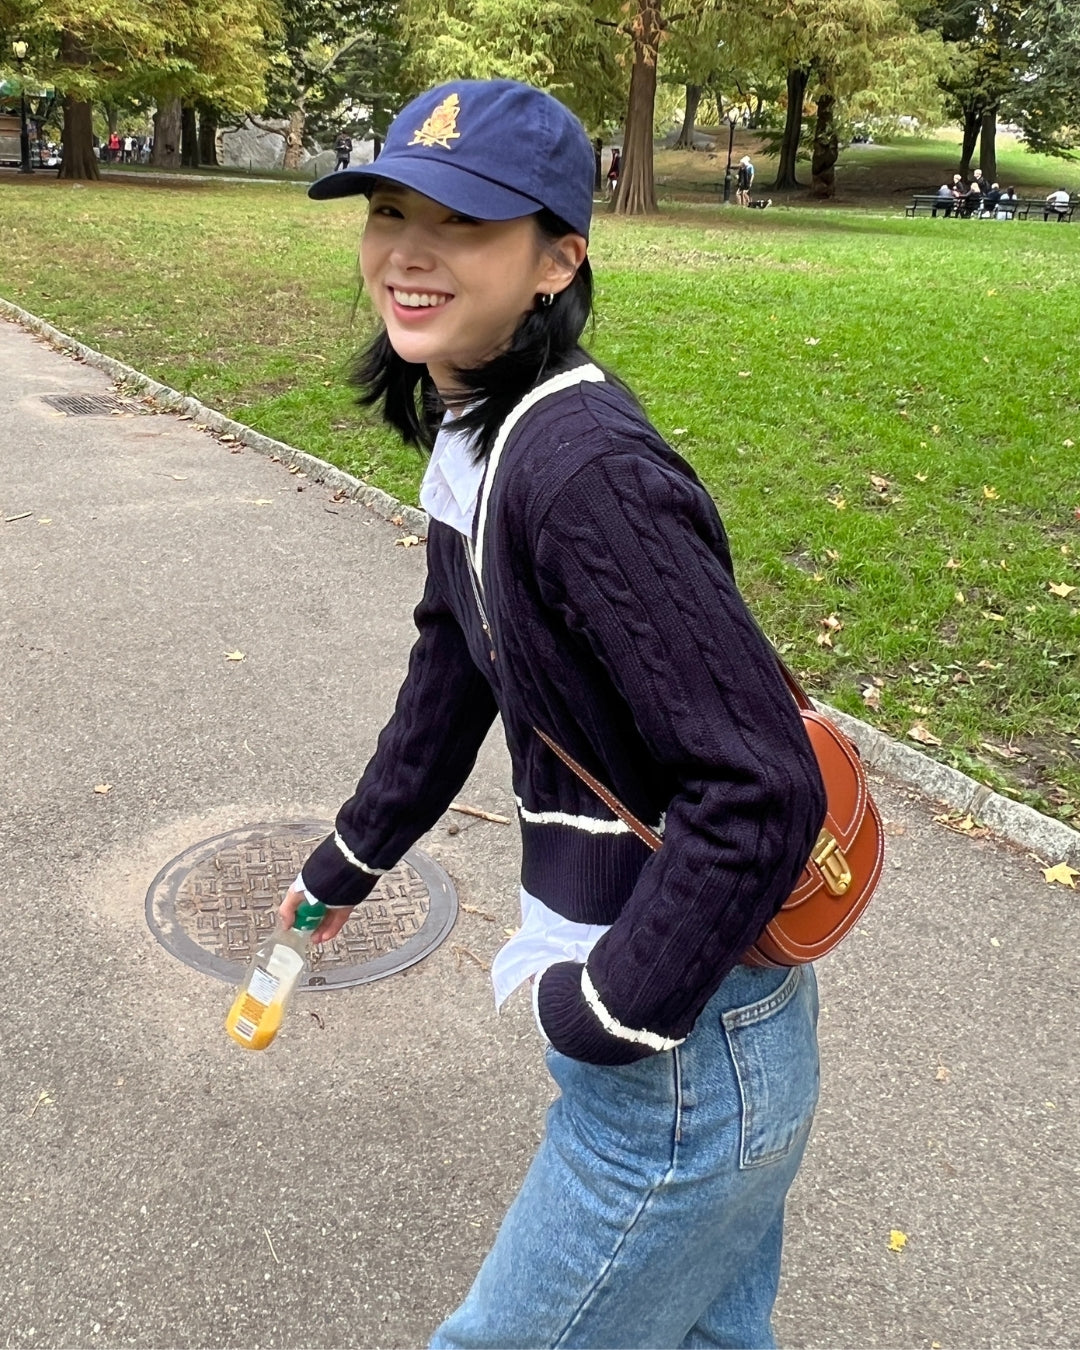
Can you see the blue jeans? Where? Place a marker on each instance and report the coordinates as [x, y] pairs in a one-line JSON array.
[[653, 1213]]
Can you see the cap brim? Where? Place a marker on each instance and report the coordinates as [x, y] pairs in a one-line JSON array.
[[447, 184]]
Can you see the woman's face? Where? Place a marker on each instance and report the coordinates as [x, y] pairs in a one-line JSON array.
[[451, 289]]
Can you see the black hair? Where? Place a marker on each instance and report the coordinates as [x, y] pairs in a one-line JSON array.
[[545, 342]]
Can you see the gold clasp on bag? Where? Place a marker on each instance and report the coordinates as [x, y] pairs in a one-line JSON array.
[[829, 856]]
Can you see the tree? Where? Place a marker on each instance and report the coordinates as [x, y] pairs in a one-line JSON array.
[[122, 52]]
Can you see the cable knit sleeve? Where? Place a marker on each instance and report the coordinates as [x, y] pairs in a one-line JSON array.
[[423, 756], [632, 556]]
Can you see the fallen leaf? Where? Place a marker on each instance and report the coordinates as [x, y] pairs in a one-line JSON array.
[[811, 342], [922, 477], [179, 477], [989, 665], [837, 501], [818, 576], [992, 291], [880, 484], [936, 431], [234, 656], [824, 640], [744, 374], [45, 520], [679, 431], [1068, 444], [1062, 874], [919, 733], [408, 540], [871, 697], [897, 1240], [831, 621], [995, 942], [1061, 588], [953, 565], [990, 493], [832, 555], [103, 788], [263, 501], [960, 598], [397, 520], [995, 618], [942, 1075]]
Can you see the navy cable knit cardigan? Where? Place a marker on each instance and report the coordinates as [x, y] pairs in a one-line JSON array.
[[617, 629]]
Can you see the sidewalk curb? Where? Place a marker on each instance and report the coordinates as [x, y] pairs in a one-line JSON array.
[[1052, 840], [317, 470]]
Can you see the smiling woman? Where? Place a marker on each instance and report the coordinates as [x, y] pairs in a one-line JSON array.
[[580, 586]]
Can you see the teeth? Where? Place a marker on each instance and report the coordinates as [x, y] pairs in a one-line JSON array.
[[419, 299]]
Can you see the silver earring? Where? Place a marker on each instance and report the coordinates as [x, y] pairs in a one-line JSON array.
[[547, 300]]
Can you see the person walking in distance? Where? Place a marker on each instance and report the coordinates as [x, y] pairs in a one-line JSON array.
[[614, 169], [580, 586], [744, 181], [342, 150]]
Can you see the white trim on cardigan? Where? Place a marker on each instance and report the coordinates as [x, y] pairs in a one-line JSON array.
[[566, 380], [613, 1027]]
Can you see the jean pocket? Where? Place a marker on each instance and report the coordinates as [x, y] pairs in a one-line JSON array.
[[773, 1045]]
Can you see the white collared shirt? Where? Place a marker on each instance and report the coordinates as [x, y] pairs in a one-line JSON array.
[[449, 492]]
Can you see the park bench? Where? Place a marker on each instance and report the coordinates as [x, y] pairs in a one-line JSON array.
[[932, 203], [1038, 206]]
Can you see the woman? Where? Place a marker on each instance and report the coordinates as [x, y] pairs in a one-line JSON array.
[[580, 585]]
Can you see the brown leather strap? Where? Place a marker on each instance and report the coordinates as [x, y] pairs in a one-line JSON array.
[[647, 836]]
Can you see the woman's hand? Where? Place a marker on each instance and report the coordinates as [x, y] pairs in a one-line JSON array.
[[331, 926]]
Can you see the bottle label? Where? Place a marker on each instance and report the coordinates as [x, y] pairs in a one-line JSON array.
[[263, 987]]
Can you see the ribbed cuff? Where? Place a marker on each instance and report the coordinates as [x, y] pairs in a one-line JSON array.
[[571, 1025], [330, 877]]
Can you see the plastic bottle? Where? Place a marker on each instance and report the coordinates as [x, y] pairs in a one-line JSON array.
[[256, 1013]]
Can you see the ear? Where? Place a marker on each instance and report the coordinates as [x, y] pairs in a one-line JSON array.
[[562, 258]]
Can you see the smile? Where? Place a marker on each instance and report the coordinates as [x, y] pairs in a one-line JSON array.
[[418, 299]]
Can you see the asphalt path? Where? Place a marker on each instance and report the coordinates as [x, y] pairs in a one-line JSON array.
[[160, 1187]]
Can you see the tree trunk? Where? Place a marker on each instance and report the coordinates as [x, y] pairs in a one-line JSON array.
[[686, 135], [826, 148], [972, 127], [636, 195], [208, 129], [294, 139], [189, 137], [111, 117], [79, 160], [988, 145], [166, 154], [797, 81]]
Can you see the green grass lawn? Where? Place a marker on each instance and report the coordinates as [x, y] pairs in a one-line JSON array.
[[885, 410]]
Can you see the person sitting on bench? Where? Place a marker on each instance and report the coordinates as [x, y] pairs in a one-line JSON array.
[[945, 200], [1057, 204]]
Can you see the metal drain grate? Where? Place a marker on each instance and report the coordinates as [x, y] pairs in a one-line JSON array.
[[89, 405], [212, 905]]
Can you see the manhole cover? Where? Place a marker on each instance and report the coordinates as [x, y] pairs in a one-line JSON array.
[[213, 904], [89, 405]]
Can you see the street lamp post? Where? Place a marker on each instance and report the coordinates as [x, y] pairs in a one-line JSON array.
[[19, 49], [732, 118]]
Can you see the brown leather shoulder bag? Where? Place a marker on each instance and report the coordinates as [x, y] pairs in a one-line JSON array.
[[845, 863]]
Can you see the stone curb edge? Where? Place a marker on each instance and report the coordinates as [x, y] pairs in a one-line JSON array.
[[381, 503], [1020, 825]]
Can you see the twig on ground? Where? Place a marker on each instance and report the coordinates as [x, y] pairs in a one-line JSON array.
[[480, 815]]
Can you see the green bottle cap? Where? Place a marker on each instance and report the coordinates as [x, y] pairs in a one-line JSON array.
[[309, 914]]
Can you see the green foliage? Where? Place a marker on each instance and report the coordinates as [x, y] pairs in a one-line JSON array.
[[557, 45], [120, 51]]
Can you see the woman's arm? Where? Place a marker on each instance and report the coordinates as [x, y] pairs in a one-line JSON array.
[[632, 553], [424, 754]]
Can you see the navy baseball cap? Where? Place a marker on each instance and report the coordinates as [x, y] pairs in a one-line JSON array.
[[493, 149]]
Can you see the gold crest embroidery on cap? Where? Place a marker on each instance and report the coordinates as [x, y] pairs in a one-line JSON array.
[[441, 127]]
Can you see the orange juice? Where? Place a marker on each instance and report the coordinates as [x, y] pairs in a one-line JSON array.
[[255, 1016]]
